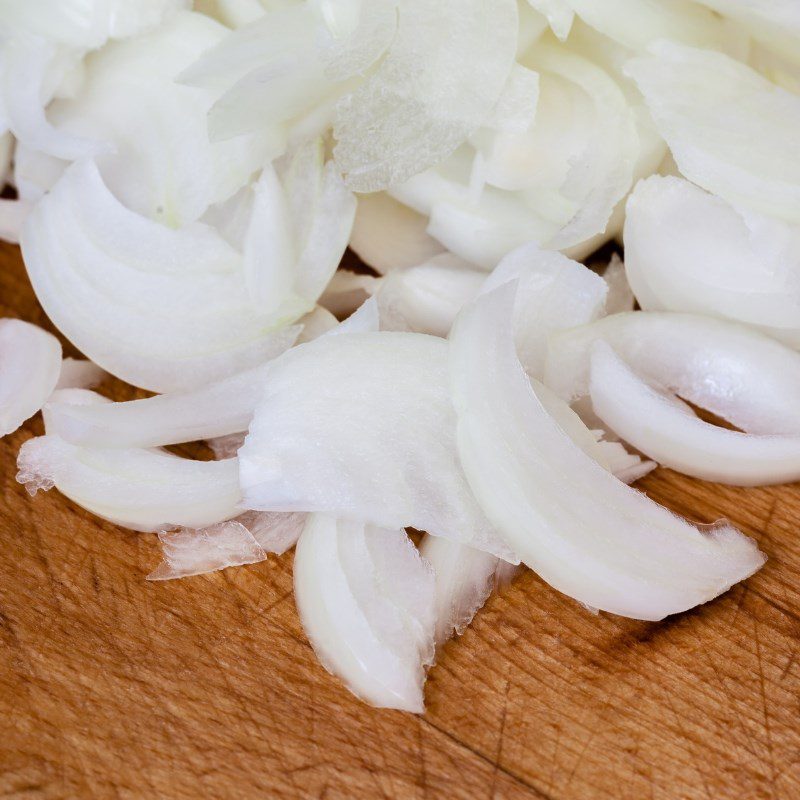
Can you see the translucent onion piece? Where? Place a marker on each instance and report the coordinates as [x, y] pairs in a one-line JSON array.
[[162, 309], [377, 409], [140, 489], [737, 373], [428, 297], [366, 601], [77, 373], [706, 106], [195, 552], [347, 291], [553, 293], [686, 250], [559, 15], [442, 76], [465, 578], [13, 214], [162, 165], [665, 428], [388, 235], [316, 323], [580, 529], [30, 362], [274, 531]]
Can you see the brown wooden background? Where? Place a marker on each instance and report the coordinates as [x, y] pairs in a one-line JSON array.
[[206, 688]]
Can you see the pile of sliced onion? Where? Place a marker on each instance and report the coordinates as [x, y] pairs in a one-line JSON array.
[[578, 221]]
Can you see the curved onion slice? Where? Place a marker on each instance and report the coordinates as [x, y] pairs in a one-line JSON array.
[[388, 235], [666, 429], [706, 105], [686, 250], [377, 409], [162, 309], [215, 410], [457, 55], [465, 578], [366, 599], [578, 527], [426, 298], [553, 293], [30, 362], [140, 489], [162, 164], [737, 373]]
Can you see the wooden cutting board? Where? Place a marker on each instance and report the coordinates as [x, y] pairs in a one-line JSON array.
[[111, 686]]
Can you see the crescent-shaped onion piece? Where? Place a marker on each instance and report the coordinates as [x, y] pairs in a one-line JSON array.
[[583, 531], [163, 309], [366, 601], [737, 373], [30, 363], [377, 408], [705, 105], [144, 490], [686, 250], [666, 429]]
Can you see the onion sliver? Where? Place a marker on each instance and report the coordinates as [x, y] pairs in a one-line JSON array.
[[386, 133], [30, 363], [686, 250], [706, 105], [666, 429], [365, 599], [163, 309], [144, 490], [343, 418], [737, 373], [579, 528]]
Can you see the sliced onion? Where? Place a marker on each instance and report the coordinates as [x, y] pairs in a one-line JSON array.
[[465, 578], [686, 250], [347, 291], [30, 362], [553, 293], [388, 235], [705, 105], [386, 134], [737, 373], [365, 599], [559, 13], [165, 310], [426, 298], [77, 373], [144, 490], [620, 295], [666, 429], [383, 417], [580, 529]]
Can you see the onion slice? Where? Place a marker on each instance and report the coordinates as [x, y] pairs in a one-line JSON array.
[[30, 362], [735, 372], [666, 429], [705, 105], [377, 409], [580, 529], [366, 600]]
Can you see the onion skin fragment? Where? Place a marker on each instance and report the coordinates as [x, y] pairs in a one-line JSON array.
[[667, 430], [30, 363], [365, 598], [583, 531]]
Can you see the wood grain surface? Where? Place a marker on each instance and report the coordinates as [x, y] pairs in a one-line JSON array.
[[113, 687]]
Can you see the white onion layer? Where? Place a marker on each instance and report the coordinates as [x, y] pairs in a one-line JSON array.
[[580, 529], [30, 363], [737, 373], [366, 598], [666, 429]]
